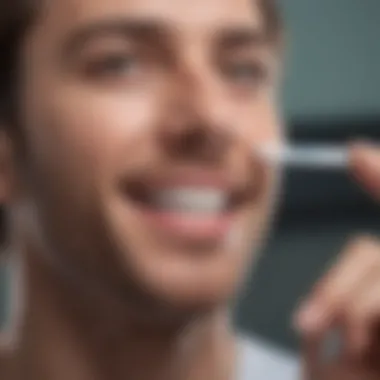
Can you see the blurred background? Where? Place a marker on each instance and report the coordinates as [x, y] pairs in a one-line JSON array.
[[332, 94]]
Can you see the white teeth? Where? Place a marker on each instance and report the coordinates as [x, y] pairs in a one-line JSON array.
[[193, 200]]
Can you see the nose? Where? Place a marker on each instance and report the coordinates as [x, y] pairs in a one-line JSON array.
[[195, 127]]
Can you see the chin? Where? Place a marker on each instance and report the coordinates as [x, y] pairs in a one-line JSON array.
[[186, 284]]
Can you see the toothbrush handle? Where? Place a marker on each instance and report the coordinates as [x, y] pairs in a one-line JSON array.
[[307, 156], [318, 157]]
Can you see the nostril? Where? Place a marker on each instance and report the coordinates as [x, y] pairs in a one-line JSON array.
[[194, 139], [195, 142], [203, 143]]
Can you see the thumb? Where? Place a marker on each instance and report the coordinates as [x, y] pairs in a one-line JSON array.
[[311, 361], [364, 162]]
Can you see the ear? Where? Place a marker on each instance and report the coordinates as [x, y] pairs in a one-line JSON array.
[[6, 167]]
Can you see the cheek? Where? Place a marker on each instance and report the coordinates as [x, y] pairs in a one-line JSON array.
[[108, 119], [259, 122], [266, 126], [85, 129], [123, 117]]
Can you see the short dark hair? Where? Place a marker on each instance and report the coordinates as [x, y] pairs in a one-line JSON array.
[[15, 18]]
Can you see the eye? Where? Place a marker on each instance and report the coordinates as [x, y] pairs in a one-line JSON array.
[[245, 72], [113, 65]]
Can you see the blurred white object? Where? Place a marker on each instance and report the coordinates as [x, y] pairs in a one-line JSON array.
[[311, 156]]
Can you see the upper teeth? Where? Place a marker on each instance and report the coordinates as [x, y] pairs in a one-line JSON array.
[[203, 200]]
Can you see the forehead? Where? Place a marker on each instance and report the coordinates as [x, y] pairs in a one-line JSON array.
[[180, 15]]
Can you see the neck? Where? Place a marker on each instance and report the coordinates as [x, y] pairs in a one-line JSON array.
[[65, 335]]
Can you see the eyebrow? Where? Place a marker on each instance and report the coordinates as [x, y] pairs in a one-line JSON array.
[[156, 31], [240, 37], [144, 30]]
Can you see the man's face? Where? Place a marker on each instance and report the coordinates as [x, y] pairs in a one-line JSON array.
[[138, 118]]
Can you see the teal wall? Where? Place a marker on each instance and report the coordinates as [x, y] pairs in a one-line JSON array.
[[332, 71], [334, 57]]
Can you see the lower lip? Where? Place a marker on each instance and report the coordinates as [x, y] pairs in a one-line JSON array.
[[189, 227]]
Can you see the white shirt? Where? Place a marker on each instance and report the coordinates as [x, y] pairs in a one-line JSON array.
[[259, 360]]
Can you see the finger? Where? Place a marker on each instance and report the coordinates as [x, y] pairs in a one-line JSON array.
[[325, 304], [323, 310], [361, 315], [365, 166]]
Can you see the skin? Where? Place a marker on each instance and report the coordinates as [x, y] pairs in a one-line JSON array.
[[135, 92], [108, 295]]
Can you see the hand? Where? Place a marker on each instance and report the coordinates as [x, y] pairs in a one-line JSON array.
[[348, 298]]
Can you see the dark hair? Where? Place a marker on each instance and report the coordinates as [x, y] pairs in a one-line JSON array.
[[15, 18]]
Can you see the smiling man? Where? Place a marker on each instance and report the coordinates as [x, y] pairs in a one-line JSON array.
[[133, 202]]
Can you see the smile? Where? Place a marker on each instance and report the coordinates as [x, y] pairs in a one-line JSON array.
[[191, 207]]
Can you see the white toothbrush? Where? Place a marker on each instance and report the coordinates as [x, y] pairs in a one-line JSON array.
[[308, 156]]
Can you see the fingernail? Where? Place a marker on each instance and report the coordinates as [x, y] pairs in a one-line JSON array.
[[308, 318]]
